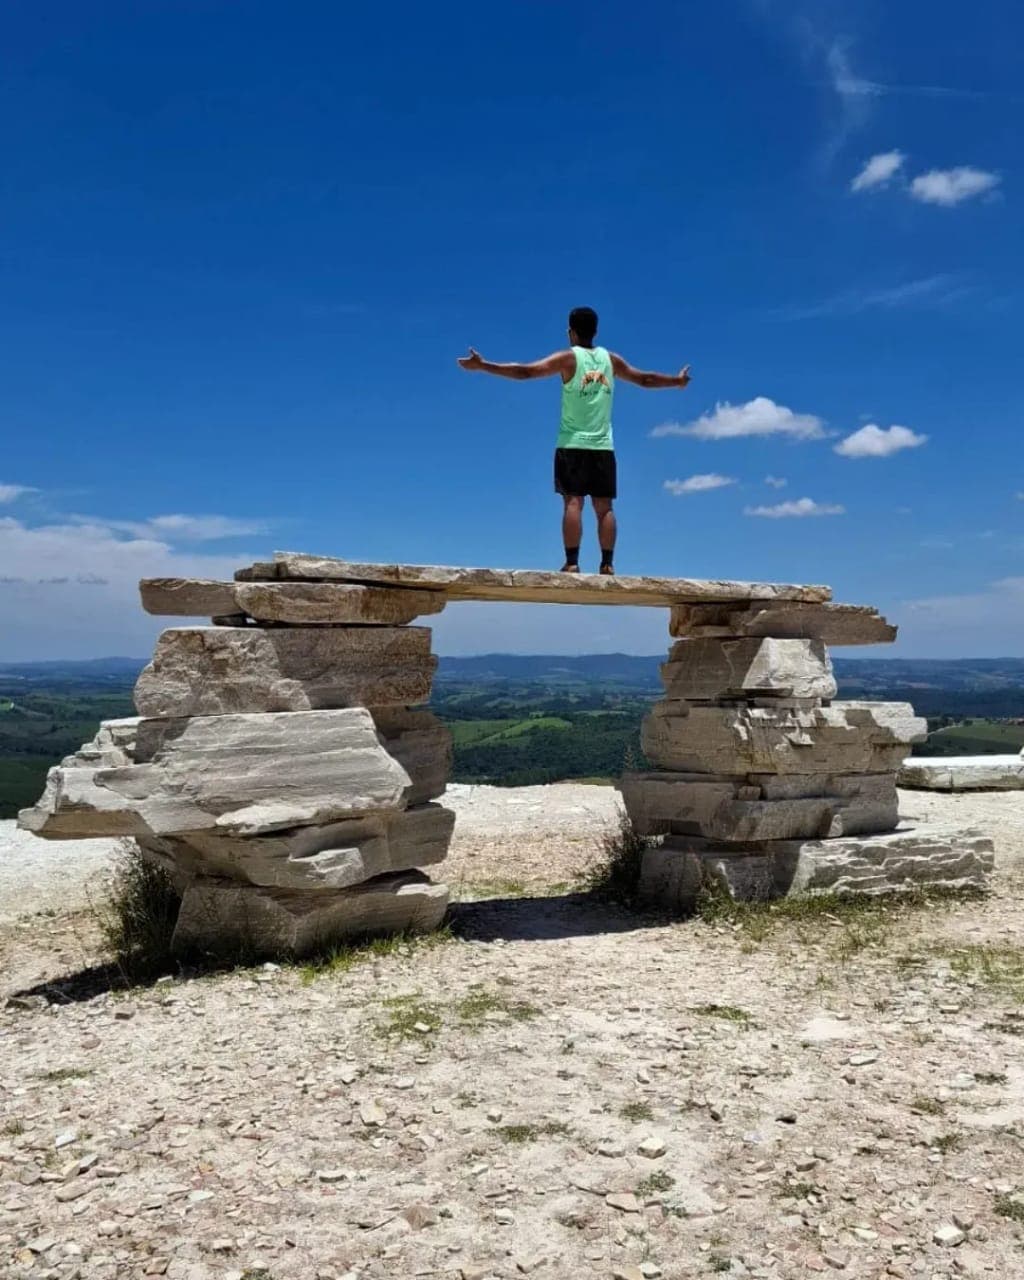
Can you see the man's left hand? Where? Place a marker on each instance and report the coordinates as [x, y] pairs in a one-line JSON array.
[[473, 361]]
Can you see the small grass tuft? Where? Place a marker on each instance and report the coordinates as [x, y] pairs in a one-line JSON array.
[[345, 956], [137, 918], [990, 1077], [795, 1190], [59, 1074], [520, 1133], [637, 1112], [997, 966], [654, 1184], [13, 1128], [928, 1106], [727, 1012], [718, 1263], [616, 875], [407, 1016], [1011, 1207], [474, 1009], [948, 1142]]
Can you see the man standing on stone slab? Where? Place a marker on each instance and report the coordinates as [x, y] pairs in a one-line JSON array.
[[585, 454]]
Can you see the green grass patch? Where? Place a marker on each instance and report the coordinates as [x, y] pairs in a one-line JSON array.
[[409, 1018], [60, 1074], [478, 1005], [847, 924], [654, 1184], [616, 874], [345, 956], [1011, 1207], [997, 966], [516, 1134], [727, 1012], [637, 1112]]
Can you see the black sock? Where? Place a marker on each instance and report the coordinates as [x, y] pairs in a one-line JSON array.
[[572, 555], [607, 559]]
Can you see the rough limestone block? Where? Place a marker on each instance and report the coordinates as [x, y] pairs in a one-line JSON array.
[[741, 810], [526, 584], [187, 597], [334, 856], [847, 737], [244, 774], [224, 916], [209, 671], [745, 877], [706, 670], [670, 879], [963, 773], [305, 603], [834, 624], [421, 744], [918, 855]]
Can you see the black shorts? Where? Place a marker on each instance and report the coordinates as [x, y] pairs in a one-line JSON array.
[[585, 473]]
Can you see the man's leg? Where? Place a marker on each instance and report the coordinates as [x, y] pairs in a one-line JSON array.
[[606, 531], [572, 531]]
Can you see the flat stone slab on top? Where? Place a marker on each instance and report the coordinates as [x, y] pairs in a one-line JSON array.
[[527, 586], [963, 773]]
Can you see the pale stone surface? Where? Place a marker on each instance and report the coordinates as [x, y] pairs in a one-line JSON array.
[[963, 773], [915, 856], [670, 879], [187, 597], [203, 671], [526, 584], [297, 603], [421, 744], [222, 915], [705, 670], [835, 624], [847, 737], [245, 774], [739, 809], [330, 602], [334, 856]]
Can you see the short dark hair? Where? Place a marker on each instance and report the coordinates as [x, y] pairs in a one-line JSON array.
[[583, 322]]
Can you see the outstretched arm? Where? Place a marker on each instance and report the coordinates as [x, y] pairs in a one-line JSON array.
[[624, 370], [563, 362]]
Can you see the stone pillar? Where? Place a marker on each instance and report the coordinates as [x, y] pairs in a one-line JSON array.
[[764, 784], [281, 768]]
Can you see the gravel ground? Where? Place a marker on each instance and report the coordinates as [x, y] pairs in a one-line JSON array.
[[564, 1089]]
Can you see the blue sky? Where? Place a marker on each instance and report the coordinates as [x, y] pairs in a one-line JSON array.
[[244, 243]]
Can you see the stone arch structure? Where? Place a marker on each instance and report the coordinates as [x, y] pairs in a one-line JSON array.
[[282, 769]]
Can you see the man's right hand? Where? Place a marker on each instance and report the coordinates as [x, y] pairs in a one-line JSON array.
[[684, 377], [473, 361]]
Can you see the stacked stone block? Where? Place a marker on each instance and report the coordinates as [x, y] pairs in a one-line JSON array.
[[764, 783], [281, 768]]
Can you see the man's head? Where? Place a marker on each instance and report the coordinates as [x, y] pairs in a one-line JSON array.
[[582, 326]]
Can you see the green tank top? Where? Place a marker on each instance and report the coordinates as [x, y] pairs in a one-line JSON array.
[[587, 402]]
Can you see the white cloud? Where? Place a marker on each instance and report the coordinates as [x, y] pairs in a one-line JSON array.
[[70, 589], [775, 482], [986, 623], [12, 492], [698, 484], [951, 186], [796, 509], [181, 528], [758, 417], [874, 442], [878, 171], [930, 292]]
